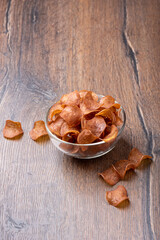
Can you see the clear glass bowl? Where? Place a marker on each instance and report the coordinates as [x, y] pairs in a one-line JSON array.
[[86, 151]]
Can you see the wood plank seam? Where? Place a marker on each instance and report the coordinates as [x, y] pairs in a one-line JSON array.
[[149, 137], [129, 48]]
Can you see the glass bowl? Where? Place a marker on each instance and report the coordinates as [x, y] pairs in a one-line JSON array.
[[86, 151]]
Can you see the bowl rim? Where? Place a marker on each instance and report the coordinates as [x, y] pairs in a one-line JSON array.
[[88, 144]]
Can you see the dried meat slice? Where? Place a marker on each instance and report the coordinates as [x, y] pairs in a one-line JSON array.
[[96, 125], [38, 130], [117, 171], [108, 102], [55, 126], [72, 115], [12, 129], [117, 196], [122, 167], [110, 176], [88, 103], [70, 137], [83, 93], [69, 134], [108, 115], [72, 98], [136, 157], [118, 121], [134, 160], [55, 110], [112, 135], [90, 114], [86, 137], [66, 129]]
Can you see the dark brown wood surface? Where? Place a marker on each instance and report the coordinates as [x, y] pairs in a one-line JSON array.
[[51, 47]]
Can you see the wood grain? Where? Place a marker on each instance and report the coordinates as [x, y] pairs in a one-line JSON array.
[[48, 48]]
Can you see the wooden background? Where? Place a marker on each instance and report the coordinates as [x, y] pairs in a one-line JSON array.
[[51, 47]]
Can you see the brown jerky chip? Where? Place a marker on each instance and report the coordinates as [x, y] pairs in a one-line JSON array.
[[83, 93], [55, 110], [38, 130], [118, 170], [96, 125], [72, 115], [88, 104], [112, 135], [107, 130], [70, 137], [66, 129], [108, 115], [122, 166], [108, 102], [83, 120], [117, 196], [136, 157], [55, 126], [118, 121], [86, 137], [72, 98], [69, 134], [110, 176], [90, 114], [12, 129]]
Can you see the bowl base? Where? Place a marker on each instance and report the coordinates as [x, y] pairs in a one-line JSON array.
[[90, 157]]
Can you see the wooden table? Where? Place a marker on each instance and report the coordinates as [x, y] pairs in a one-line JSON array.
[[48, 48]]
